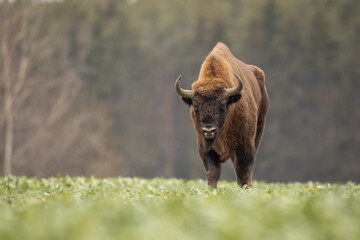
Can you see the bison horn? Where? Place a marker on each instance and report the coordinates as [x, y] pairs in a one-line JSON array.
[[235, 90], [183, 92]]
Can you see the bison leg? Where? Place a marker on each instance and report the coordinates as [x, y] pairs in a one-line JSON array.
[[244, 165], [211, 161]]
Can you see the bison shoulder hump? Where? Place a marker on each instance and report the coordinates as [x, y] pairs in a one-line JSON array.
[[259, 74]]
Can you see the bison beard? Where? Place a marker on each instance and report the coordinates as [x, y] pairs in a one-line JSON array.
[[228, 106]]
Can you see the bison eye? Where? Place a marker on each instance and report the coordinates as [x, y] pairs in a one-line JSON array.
[[222, 109], [196, 109]]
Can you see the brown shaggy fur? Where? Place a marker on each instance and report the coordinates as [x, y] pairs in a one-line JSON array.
[[242, 130]]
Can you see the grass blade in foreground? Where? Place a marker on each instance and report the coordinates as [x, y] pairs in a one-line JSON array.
[[133, 208]]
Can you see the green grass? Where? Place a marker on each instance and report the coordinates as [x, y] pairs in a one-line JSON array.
[[133, 208]]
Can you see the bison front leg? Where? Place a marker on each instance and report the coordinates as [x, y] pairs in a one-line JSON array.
[[211, 161], [244, 165]]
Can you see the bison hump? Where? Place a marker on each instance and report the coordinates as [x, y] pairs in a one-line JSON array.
[[259, 74]]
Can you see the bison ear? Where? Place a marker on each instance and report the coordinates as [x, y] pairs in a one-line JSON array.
[[234, 99], [187, 101]]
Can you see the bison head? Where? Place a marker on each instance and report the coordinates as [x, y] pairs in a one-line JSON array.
[[210, 110]]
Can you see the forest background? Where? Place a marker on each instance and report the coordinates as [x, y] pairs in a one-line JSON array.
[[87, 87]]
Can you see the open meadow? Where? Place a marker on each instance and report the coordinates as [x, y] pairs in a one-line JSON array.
[[92, 88], [134, 208]]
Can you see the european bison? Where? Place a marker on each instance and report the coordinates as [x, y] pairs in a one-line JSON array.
[[228, 106]]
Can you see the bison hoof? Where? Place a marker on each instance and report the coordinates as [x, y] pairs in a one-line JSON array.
[[245, 185], [213, 185]]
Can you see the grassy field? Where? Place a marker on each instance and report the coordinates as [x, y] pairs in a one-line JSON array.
[[133, 208]]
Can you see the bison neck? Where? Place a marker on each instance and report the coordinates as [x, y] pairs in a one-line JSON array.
[[217, 145], [207, 144]]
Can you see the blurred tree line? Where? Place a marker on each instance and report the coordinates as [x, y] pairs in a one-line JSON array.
[[87, 87]]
